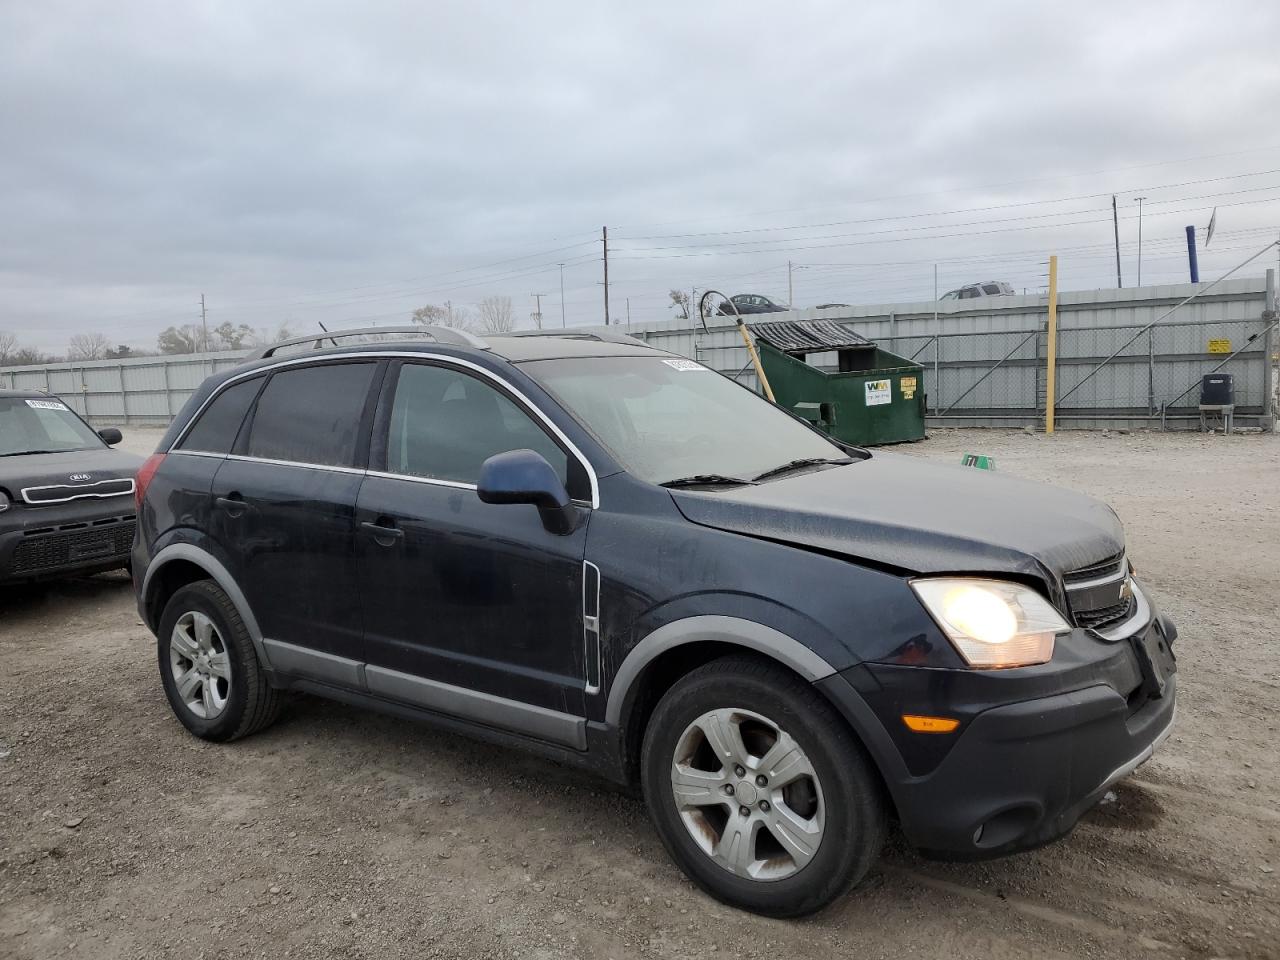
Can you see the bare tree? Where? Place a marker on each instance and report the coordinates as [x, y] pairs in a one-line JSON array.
[[227, 336], [8, 347], [460, 318], [431, 313], [27, 357], [496, 315], [265, 336], [680, 303], [88, 346], [188, 338]]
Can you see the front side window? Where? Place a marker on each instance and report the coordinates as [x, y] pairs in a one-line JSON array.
[[42, 425], [445, 423], [312, 414], [216, 429], [666, 418]]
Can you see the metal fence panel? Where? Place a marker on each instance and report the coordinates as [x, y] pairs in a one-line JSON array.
[[144, 391], [983, 360]]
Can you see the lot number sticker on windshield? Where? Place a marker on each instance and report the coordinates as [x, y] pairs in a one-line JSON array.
[[47, 404], [878, 392], [686, 366]]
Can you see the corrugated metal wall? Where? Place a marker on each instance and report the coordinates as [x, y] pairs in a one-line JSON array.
[[144, 391], [983, 360]]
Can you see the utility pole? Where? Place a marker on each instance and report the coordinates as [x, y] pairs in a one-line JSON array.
[[791, 293], [448, 306], [628, 314], [1139, 199], [935, 298], [204, 325], [1115, 223], [604, 236], [537, 313], [562, 296]]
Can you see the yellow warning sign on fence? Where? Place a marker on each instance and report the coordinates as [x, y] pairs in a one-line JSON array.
[[1220, 346]]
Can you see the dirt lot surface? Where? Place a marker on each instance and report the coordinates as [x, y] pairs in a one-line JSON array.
[[340, 833]]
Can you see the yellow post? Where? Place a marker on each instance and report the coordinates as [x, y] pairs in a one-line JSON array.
[[1051, 361], [755, 359]]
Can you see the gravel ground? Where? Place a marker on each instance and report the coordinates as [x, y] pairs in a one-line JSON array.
[[340, 833]]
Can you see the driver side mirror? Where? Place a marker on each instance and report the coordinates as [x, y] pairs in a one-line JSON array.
[[524, 476], [110, 436]]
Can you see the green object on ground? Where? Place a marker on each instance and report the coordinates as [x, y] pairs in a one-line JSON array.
[[978, 460]]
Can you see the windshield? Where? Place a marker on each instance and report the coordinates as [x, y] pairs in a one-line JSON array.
[[665, 418], [42, 425]]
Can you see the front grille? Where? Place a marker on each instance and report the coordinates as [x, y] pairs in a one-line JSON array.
[[1100, 594], [42, 551], [1104, 616], [66, 492], [1095, 571]]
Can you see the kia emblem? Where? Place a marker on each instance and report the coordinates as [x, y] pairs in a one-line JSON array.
[[80, 477]]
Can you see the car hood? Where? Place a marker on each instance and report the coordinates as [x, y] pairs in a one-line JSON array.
[[42, 469], [920, 517]]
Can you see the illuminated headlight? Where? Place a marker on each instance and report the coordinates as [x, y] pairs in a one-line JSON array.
[[993, 623]]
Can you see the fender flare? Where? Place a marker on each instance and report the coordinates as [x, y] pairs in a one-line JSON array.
[[220, 575], [732, 630]]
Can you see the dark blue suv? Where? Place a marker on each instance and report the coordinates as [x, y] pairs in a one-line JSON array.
[[625, 561]]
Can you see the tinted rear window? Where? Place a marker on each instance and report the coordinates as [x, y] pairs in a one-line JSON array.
[[312, 415], [216, 429], [991, 288]]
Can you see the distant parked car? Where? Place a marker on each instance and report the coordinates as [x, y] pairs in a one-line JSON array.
[[990, 288], [830, 306], [66, 498], [752, 303]]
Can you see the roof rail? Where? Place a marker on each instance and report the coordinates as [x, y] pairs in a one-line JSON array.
[[603, 337], [431, 332]]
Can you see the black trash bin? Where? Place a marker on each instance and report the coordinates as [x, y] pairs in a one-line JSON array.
[[1217, 390]]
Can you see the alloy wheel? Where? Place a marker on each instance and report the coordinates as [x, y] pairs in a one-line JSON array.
[[201, 668], [748, 794]]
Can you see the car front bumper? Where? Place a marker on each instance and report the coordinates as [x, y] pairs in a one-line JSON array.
[[1018, 773], [38, 543]]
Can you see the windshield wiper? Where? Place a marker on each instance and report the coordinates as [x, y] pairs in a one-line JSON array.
[[799, 464], [27, 453], [708, 480]]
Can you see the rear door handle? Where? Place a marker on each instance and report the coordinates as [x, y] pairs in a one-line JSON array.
[[234, 505], [385, 535]]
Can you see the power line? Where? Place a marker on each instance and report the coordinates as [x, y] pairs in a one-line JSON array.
[[880, 238], [952, 212], [945, 226]]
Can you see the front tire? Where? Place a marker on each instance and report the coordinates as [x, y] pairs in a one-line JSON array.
[[759, 790], [210, 670]]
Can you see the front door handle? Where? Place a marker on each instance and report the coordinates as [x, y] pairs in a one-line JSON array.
[[384, 535]]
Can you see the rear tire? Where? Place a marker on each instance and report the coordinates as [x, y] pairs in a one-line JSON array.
[[210, 670], [784, 847]]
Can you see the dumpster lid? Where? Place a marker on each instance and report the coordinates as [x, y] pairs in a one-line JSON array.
[[809, 336]]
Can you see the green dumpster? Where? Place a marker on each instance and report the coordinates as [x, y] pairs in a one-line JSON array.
[[873, 397]]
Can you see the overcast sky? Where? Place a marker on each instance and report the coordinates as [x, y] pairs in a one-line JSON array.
[[305, 162]]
